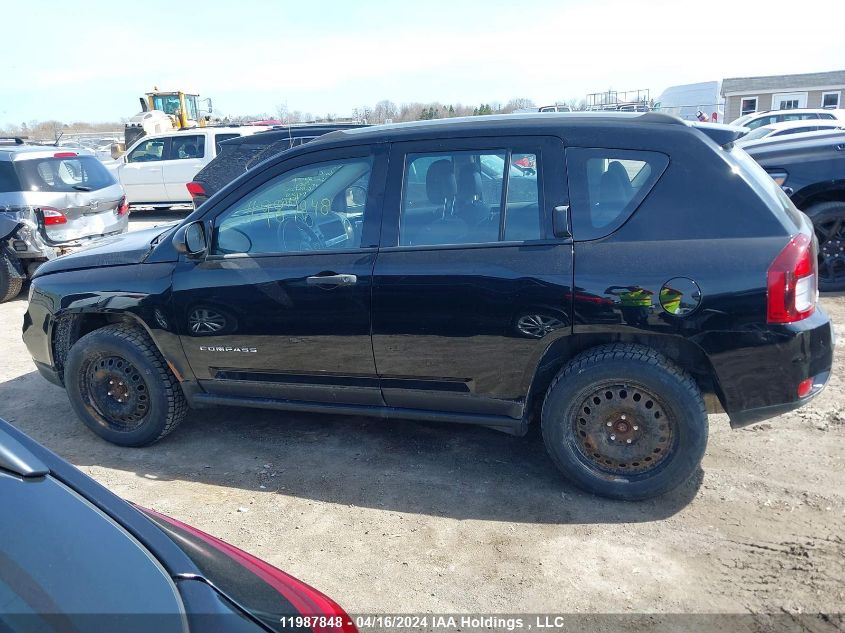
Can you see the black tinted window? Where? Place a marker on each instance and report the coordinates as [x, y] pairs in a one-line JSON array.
[[8, 178], [77, 173], [62, 560], [606, 186], [459, 198], [219, 138], [182, 147]]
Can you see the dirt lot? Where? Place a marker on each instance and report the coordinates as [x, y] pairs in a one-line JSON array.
[[412, 517]]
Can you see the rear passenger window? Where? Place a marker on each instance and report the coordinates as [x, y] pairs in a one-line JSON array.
[[470, 197], [187, 147], [607, 185]]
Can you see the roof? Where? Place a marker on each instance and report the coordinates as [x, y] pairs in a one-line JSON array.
[[498, 123], [777, 83], [13, 152]]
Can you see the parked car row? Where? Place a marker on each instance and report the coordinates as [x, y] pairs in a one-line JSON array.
[[420, 271], [51, 200]]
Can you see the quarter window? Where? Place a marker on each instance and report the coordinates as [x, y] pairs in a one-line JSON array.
[[183, 147], [314, 208], [471, 197], [607, 186]]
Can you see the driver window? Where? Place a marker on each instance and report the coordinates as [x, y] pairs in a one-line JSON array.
[[313, 208], [149, 150]]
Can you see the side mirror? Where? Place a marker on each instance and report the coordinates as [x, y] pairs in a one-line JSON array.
[[560, 221], [191, 240]]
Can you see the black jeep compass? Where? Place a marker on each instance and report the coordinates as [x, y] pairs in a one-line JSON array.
[[612, 277]]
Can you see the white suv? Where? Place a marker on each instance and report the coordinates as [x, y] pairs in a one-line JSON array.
[[155, 169], [756, 119]]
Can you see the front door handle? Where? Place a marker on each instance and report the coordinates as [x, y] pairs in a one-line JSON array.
[[332, 280]]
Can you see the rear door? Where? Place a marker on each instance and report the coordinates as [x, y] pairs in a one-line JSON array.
[[186, 157], [141, 175], [470, 285]]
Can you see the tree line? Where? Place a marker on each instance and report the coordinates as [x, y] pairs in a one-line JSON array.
[[383, 111]]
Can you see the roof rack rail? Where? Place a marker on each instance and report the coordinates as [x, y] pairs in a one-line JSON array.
[[15, 140]]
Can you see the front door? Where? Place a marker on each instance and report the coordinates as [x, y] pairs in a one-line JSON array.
[[280, 308], [470, 285], [141, 175]]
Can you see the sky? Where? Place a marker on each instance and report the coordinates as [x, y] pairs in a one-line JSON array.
[[90, 60]]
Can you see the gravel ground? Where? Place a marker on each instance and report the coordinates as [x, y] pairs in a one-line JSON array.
[[400, 517]]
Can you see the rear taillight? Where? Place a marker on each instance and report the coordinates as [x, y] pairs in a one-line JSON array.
[[195, 189], [792, 281], [65, 155], [122, 207], [52, 216], [307, 600]]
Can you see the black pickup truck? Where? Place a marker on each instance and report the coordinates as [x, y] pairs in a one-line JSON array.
[[812, 172]]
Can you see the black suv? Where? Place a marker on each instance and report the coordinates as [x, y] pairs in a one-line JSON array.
[[614, 276], [237, 155], [812, 171]]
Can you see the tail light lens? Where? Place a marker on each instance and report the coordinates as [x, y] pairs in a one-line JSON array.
[[307, 600], [793, 281], [52, 216], [195, 189], [123, 207], [805, 387]]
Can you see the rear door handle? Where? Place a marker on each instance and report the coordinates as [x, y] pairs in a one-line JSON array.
[[332, 280]]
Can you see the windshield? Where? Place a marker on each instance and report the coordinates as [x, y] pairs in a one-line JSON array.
[[169, 104], [76, 173]]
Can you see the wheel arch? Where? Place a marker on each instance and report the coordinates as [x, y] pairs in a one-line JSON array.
[[69, 327], [830, 191], [681, 351]]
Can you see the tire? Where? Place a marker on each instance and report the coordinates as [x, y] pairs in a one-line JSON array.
[[121, 387], [829, 224], [10, 282], [658, 422]]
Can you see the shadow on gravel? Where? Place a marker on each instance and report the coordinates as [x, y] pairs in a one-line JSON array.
[[444, 470]]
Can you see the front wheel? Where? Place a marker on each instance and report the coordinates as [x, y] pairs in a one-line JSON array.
[[622, 421], [121, 387]]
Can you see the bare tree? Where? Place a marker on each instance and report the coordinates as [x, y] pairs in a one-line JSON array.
[[385, 111], [519, 103]]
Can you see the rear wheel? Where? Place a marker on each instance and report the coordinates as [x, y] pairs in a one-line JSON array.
[[10, 281], [622, 421], [829, 223], [121, 387]]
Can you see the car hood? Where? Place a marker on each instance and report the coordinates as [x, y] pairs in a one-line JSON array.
[[122, 250]]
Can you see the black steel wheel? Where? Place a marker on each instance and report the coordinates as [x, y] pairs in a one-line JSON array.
[[116, 392], [623, 421], [121, 387]]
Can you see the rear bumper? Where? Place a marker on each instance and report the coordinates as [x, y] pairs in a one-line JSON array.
[[759, 370], [740, 419]]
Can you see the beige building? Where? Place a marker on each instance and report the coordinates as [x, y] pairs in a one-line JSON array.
[[744, 95]]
